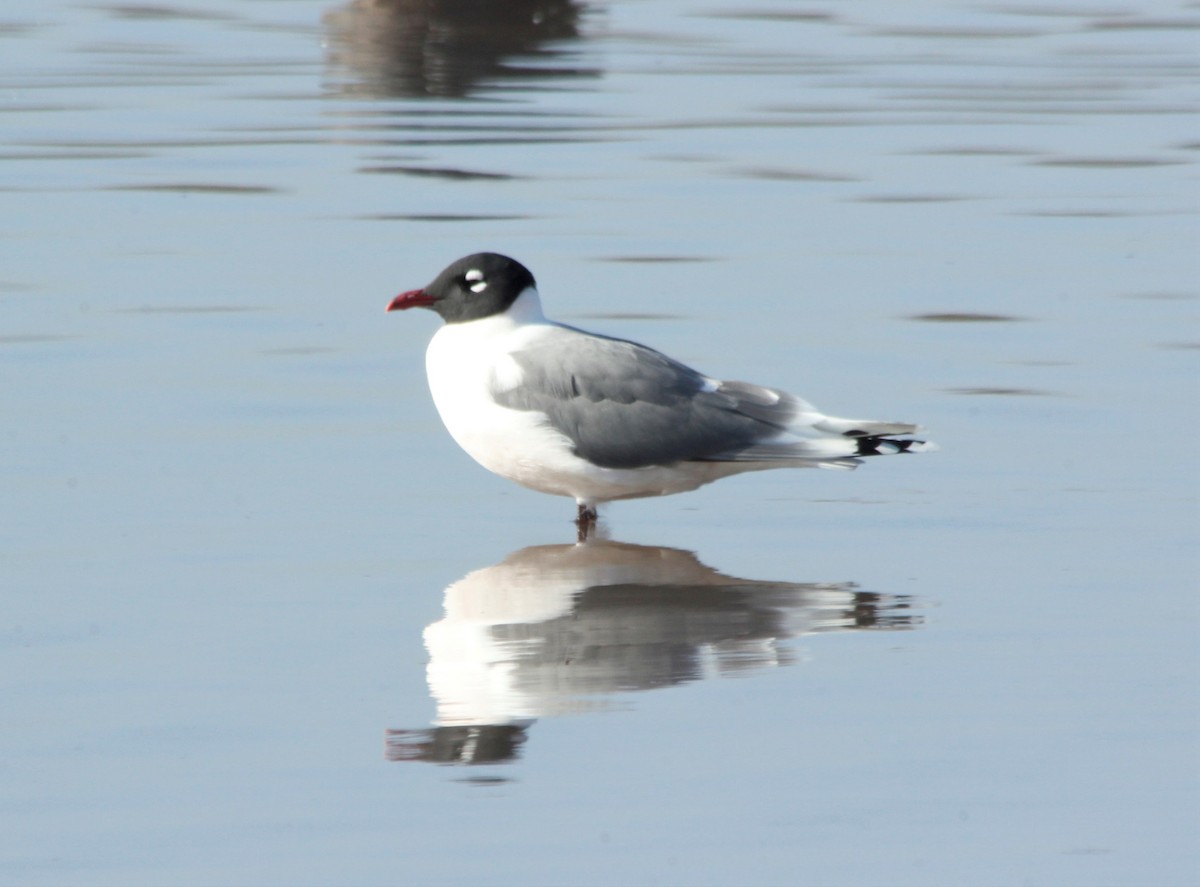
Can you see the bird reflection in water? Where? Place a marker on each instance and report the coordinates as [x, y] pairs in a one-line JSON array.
[[556, 629], [447, 48]]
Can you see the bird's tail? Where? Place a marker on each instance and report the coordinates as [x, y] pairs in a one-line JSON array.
[[833, 442], [806, 436], [844, 451]]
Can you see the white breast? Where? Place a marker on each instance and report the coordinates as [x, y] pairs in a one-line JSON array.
[[465, 363]]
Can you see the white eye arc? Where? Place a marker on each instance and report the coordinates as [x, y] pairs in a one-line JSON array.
[[475, 278]]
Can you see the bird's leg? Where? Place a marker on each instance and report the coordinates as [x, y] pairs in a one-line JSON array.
[[585, 522]]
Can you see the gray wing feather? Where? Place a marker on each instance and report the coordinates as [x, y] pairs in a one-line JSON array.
[[624, 405]]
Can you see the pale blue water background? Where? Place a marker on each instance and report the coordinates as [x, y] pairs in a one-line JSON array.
[[230, 512]]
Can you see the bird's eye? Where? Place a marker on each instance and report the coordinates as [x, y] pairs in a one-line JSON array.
[[475, 281]]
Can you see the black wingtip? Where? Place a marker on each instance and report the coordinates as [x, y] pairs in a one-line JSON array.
[[885, 446]]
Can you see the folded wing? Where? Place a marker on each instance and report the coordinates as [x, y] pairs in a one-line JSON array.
[[623, 405]]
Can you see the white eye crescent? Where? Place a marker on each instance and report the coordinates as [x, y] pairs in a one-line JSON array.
[[475, 278]]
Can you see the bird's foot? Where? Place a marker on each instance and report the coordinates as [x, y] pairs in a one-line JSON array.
[[585, 523]]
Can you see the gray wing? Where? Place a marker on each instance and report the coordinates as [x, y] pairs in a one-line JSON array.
[[624, 405]]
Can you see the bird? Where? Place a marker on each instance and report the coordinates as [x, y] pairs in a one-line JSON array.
[[596, 418]]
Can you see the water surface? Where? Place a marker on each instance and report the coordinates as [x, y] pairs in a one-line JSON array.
[[265, 624]]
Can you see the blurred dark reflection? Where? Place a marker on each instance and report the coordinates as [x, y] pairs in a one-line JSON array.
[[447, 48], [554, 629]]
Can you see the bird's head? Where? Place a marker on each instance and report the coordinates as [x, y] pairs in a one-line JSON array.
[[474, 287]]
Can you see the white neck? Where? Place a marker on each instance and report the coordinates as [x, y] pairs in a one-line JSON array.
[[527, 308]]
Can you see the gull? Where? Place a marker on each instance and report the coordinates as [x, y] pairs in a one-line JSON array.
[[572, 413]]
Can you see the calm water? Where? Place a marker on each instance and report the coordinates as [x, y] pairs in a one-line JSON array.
[[264, 624]]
